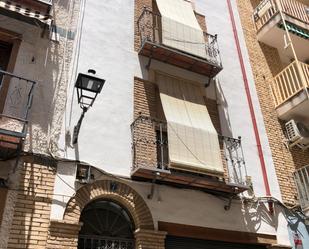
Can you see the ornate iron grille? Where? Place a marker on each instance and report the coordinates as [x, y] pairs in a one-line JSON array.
[[150, 149], [96, 242], [106, 225]]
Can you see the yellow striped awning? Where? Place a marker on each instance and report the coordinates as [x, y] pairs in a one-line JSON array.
[[26, 11]]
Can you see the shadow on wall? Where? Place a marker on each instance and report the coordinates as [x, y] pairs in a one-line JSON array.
[[49, 95], [223, 108], [297, 227], [254, 214]]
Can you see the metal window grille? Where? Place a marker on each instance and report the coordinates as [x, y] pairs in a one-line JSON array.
[[96, 242], [302, 183]]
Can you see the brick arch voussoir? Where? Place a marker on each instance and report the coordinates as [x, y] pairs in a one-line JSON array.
[[122, 194]]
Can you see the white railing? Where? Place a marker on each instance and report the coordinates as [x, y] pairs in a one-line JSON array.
[[289, 82], [295, 9], [302, 183], [268, 8]]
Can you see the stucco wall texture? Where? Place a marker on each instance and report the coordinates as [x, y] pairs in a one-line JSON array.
[[48, 63]]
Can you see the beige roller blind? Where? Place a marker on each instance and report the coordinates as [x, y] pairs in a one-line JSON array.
[[192, 139], [180, 28]]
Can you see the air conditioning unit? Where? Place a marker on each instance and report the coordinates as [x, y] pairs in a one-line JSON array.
[[298, 134]]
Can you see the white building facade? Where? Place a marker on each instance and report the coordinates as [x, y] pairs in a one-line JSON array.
[[123, 184]]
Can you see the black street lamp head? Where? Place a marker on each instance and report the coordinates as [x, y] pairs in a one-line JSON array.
[[88, 87]]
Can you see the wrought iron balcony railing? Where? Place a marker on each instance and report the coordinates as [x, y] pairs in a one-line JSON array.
[[16, 98], [190, 54], [150, 150]]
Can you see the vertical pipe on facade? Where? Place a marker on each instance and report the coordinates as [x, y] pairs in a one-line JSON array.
[[249, 99]]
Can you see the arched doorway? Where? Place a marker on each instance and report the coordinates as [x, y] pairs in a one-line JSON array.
[[106, 225]]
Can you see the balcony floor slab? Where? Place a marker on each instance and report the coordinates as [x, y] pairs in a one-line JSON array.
[[180, 59], [187, 180]]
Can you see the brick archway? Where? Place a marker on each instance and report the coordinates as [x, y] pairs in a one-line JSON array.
[[64, 233], [115, 191]]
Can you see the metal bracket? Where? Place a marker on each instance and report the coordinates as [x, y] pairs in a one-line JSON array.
[[149, 60], [207, 84], [227, 207], [150, 195], [77, 127], [209, 79]]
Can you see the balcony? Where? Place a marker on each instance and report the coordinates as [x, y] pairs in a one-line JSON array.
[[15, 103], [206, 62], [35, 12], [270, 29], [301, 177], [150, 160], [290, 91]]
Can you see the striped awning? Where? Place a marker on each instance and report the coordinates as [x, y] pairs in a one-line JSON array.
[[44, 18], [292, 28]]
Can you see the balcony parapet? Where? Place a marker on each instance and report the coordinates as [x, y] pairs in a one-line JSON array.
[[289, 82], [152, 45], [290, 90], [150, 159], [17, 93], [293, 9]]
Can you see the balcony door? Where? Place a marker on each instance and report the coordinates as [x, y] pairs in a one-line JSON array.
[[9, 46], [5, 54]]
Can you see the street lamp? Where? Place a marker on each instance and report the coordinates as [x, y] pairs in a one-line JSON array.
[[87, 87]]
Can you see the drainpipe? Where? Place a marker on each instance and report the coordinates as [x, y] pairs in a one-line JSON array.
[[250, 103]]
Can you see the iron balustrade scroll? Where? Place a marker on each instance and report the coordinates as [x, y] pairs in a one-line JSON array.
[[150, 29], [18, 101], [150, 150], [102, 242], [235, 162]]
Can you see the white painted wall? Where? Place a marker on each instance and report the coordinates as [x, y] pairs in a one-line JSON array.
[[106, 45]]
